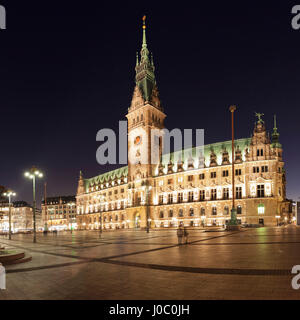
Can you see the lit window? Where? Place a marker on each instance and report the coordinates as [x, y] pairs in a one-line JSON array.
[[261, 208]]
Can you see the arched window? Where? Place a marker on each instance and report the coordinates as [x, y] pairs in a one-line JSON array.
[[214, 211], [116, 218], [202, 211], [180, 213], [110, 218], [142, 117], [161, 214], [171, 214], [191, 212], [137, 119], [239, 209]]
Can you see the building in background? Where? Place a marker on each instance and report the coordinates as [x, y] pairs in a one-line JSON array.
[[59, 213], [21, 217], [297, 209], [192, 191]]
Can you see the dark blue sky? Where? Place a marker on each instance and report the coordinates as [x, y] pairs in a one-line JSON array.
[[68, 71]]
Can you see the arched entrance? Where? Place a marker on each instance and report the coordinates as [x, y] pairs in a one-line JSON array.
[[137, 220]]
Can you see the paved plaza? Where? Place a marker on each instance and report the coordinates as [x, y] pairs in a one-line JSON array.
[[248, 264]]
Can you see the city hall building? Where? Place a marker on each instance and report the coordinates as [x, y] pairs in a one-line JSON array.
[[191, 191]]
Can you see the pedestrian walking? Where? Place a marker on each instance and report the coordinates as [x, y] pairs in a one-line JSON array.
[[185, 234], [179, 235]]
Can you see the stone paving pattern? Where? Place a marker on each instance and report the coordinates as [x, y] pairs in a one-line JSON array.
[[250, 264]]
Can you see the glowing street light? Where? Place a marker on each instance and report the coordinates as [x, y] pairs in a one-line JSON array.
[[32, 174], [71, 204], [9, 194]]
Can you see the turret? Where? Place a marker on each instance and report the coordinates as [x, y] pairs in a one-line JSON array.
[[80, 188]]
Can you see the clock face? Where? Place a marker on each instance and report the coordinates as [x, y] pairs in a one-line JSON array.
[[137, 140]]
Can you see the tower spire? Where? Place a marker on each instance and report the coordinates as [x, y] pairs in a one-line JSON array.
[[144, 33], [275, 135], [145, 78]]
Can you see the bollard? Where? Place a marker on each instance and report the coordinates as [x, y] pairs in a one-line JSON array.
[[2, 278]]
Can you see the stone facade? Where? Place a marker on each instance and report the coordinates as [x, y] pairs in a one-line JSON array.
[[59, 213], [191, 191]]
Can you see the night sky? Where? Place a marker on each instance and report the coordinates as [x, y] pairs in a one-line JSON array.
[[67, 71]]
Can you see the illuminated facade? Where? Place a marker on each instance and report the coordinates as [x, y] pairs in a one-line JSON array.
[[59, 213], [172, 193], [21, 217]]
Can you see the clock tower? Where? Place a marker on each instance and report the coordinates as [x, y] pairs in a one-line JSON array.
[[144, 114]]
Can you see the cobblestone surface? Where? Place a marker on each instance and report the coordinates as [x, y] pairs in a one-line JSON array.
[[250, 264]]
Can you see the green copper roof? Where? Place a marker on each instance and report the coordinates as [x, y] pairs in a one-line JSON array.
[[108, 176], [217, 148]]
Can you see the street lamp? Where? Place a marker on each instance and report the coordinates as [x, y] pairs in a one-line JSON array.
[[71, 219], [148, 190], [277, 217], [9, 194], [233, 221], [32, 174]]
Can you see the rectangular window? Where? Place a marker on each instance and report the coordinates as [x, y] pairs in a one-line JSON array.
[[170, 181], [238, 172], [201, 176], [225, 173], [190, 178], [238, 193], [264, 169], [170, 198], [202, 195], [180, 197], [255, 169], [191, 196], [213, 194], [161, 199], [225, 193], [116, 191], [213, 174], [260, 191]]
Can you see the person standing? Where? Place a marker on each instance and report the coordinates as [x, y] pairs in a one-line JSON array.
[[180, 235]]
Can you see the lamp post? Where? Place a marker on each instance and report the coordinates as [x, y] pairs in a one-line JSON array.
[[9, 194], [32, 174], [71, 219], [233, 221], [148, 189]]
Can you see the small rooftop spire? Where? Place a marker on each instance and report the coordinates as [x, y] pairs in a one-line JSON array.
[[275, 135], [144, 32]]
